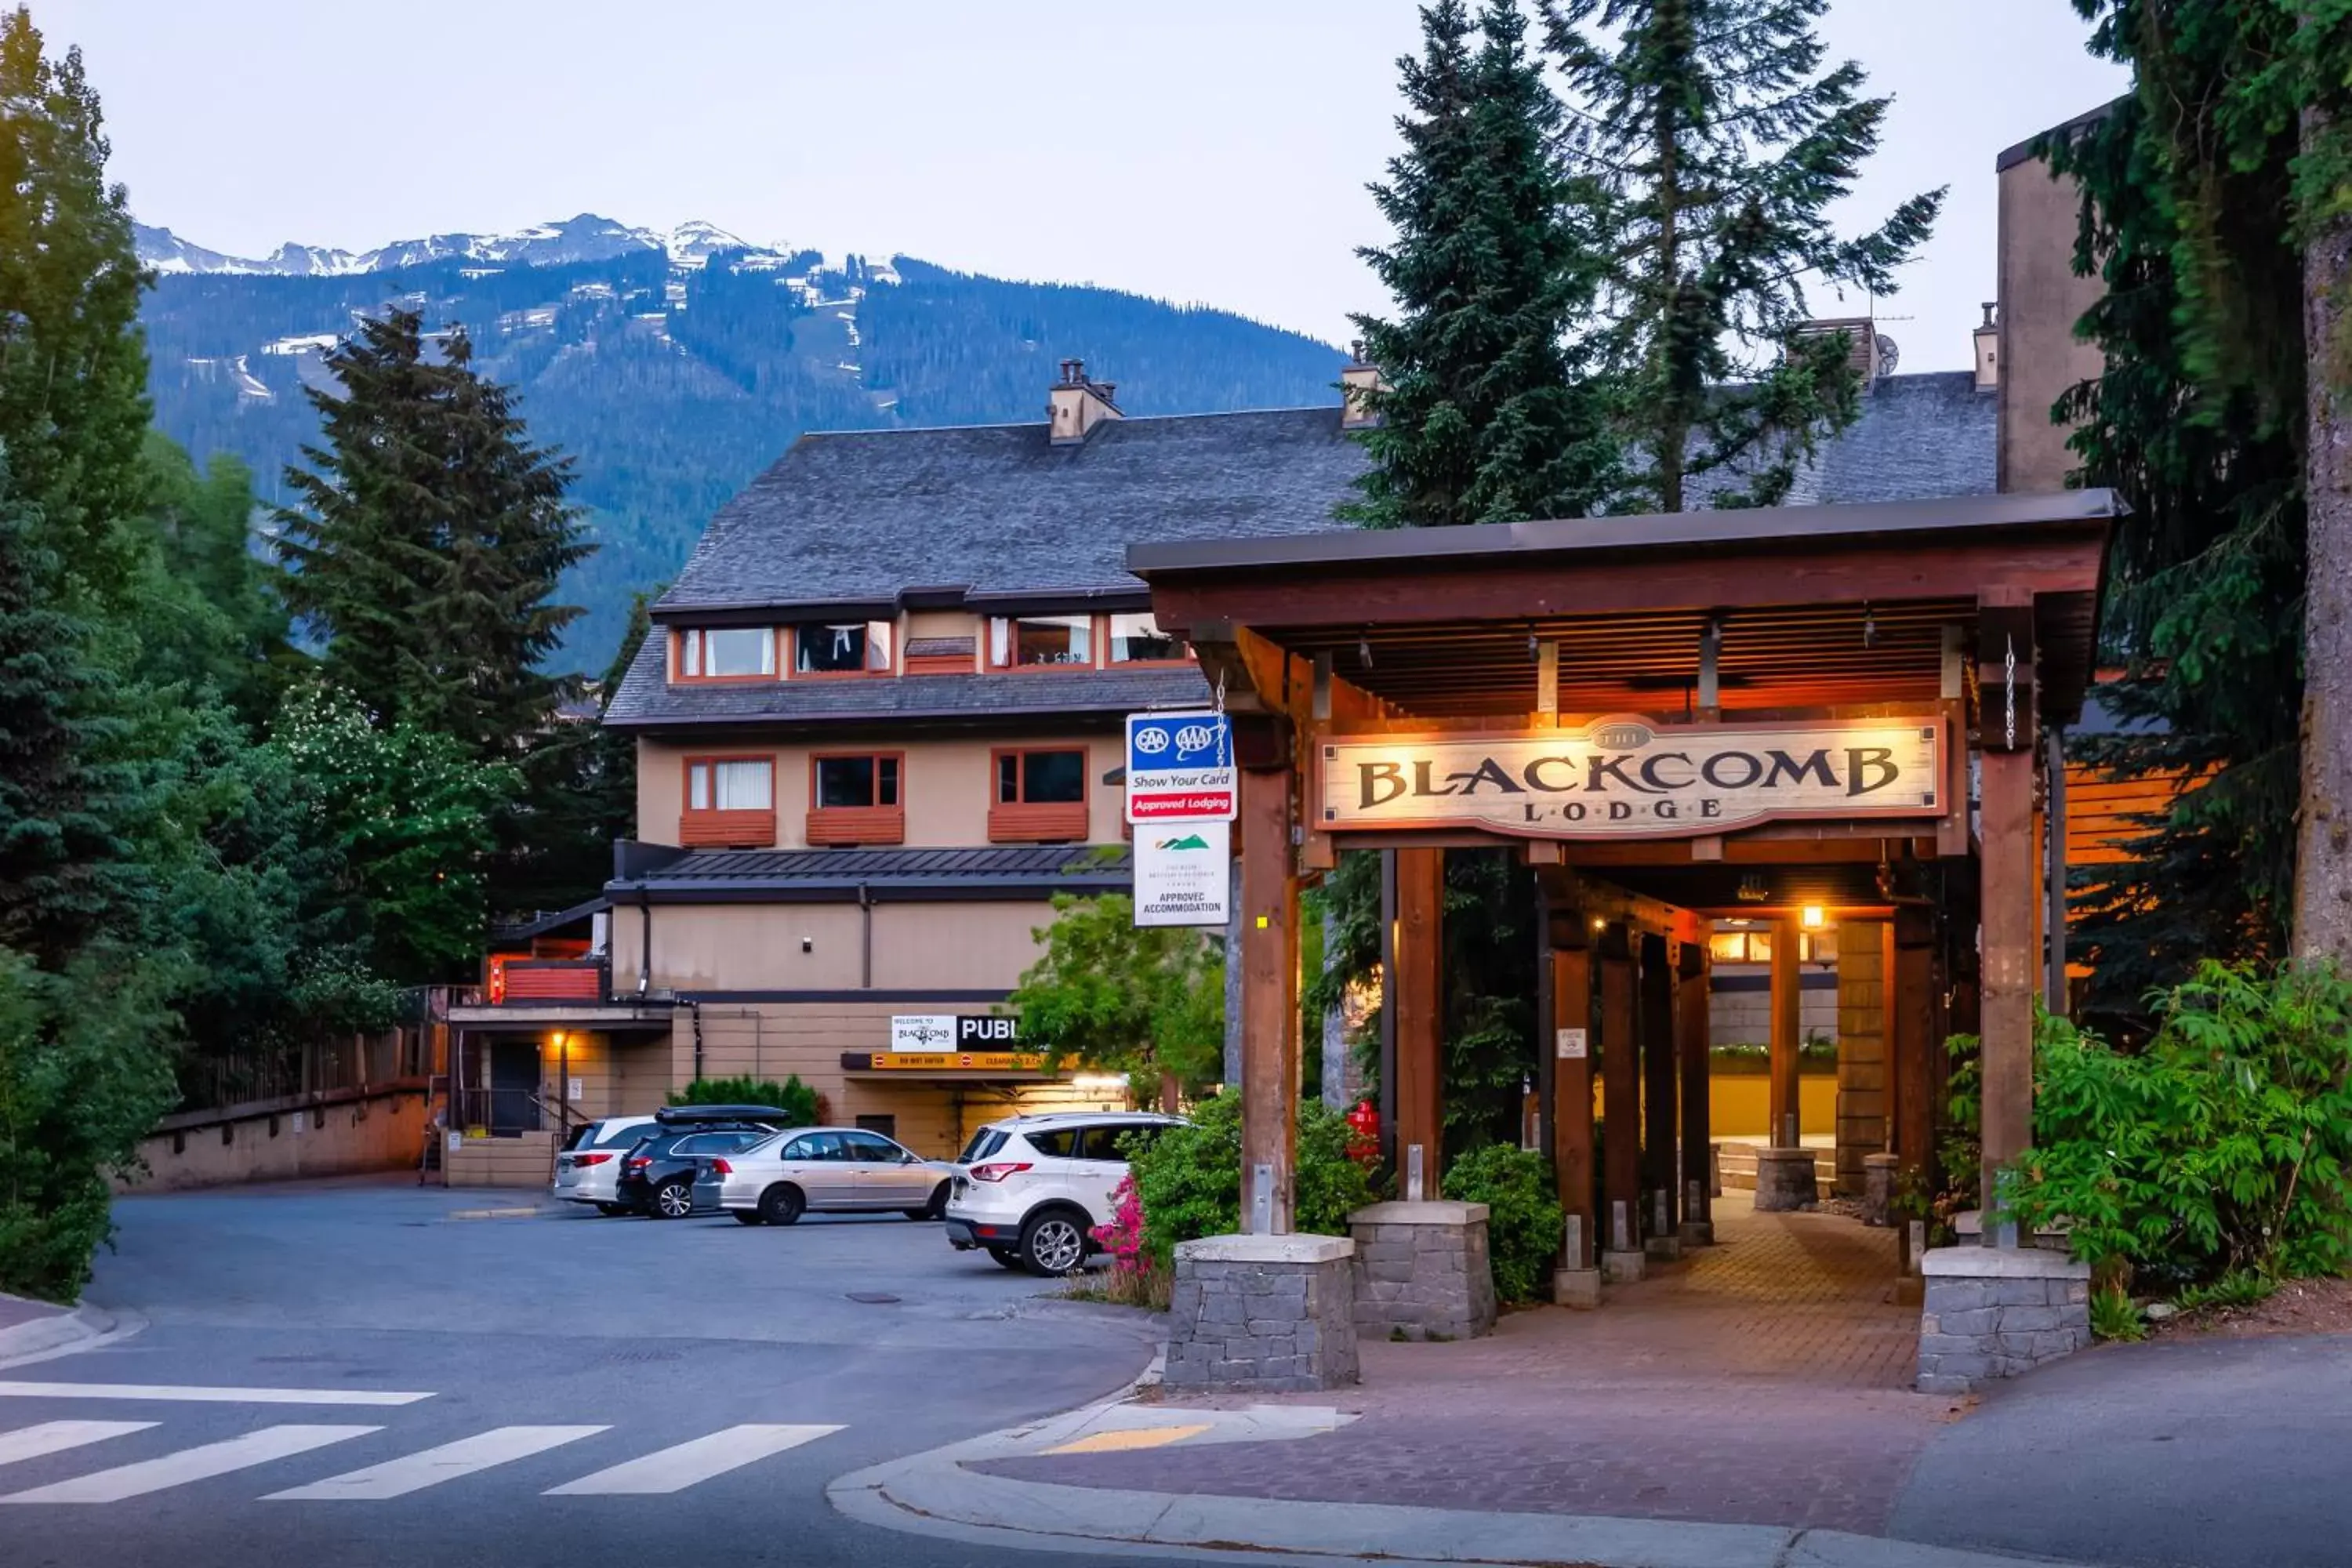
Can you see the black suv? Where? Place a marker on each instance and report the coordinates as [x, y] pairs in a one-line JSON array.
[[657, 1177]]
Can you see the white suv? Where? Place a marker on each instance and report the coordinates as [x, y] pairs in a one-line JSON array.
[[1031, 1189]]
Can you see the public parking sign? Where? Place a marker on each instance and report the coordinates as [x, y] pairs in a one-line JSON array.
[[1179, 768]]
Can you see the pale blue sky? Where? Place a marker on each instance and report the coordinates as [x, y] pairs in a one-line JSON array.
[[1212, 149]]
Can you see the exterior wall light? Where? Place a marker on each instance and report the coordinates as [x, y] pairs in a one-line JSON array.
[[1813, 917]]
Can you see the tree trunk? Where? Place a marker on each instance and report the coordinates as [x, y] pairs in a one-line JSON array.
[[2323, 876]]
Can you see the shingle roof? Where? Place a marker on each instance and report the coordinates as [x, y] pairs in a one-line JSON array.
[[860, 516], [1036, 870], [1918, 437], [646, 698]]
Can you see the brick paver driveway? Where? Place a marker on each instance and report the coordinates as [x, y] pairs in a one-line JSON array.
[[1764, 1380]]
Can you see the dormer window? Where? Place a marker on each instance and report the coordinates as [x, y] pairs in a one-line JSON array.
[[727, 653], [847, 648], [1020, 642]]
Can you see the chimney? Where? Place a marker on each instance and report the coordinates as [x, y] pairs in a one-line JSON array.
[[1872, 353], [1988, 336], [1357, 380], [1077, 405]]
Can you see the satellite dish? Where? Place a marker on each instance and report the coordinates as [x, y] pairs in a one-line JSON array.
[[1889, 356]]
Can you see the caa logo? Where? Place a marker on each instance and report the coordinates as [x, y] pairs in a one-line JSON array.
[[1153, 739], [1192, 738]]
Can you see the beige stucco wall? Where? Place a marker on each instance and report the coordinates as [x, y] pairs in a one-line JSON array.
[[381, 1132], [947, 785], [758, 947], [2041, 300]]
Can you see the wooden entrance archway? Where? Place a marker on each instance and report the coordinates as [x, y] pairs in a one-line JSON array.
[[1946, 632]]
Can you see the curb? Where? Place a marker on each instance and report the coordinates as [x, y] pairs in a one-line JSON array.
[[44, 1336], [934, 1494]]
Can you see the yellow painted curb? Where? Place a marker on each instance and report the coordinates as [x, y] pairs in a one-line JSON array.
[[1128, 1438]]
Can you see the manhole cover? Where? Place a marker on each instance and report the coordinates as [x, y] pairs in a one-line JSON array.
[[874, 1298]]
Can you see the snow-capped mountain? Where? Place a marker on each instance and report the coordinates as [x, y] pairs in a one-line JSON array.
[[587, 238]]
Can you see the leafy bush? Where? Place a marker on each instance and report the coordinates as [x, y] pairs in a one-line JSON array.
[[1189, 1178], [791, 1095], [2221, 1150], [1523, 1216], [2114, 1316]]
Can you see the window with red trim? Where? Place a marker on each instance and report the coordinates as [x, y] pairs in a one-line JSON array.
[[847, 648], [727, 653]]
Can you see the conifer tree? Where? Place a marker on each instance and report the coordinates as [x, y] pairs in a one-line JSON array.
[[1715, 143], [73, 365], [430, 541], [65, 877], [1486, 417]]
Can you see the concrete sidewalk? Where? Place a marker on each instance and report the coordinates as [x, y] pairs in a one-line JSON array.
[[953, 1493], [39, 1329]]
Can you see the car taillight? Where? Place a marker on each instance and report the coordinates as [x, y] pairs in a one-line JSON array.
[[721, 1168], [590, 1158], [641, 1162], [998, 1172]]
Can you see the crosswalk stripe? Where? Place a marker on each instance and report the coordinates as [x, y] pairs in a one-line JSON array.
[[192, 1464], [56, 1437], [189, 1394], [414, 1472], [676, 1468]]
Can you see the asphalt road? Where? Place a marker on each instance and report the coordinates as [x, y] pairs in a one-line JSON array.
[[693, 1384]]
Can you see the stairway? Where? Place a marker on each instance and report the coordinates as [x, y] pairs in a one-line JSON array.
[[1736, 1164]]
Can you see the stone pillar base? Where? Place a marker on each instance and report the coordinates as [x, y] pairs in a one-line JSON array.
[[1422, 1270], [1993, 1312], [1697, 1233], [1263, 1314], [1881, 1176], [1664, 1248], [1784, 1180], [1623, 1267], [1577, 1287]]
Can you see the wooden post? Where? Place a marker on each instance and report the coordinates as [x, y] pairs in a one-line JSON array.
[[1691, 1033], [1269, 958], [1571, 1014], [1911, 1045], [1420, 1014], [1620, 1099], [1660, 1176], [1787, 1034], [2008, 894]]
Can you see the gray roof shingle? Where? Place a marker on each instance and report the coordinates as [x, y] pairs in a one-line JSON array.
[[860, 516], [646, 696], [1037, 870], [1918, 437]]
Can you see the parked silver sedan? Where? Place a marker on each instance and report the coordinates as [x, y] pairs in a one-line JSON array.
[[834, 1169]]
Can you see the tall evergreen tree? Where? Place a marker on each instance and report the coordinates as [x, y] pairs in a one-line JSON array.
[[65, 873], [430, 540], [73, 365], [1717, 143], [1486, 417], [2193, 419]]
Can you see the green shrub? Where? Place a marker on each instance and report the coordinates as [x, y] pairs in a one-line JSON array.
[[1189, 1178], [791, 1095], [2115, 1315], [2221, 1151], [1523, 1216]]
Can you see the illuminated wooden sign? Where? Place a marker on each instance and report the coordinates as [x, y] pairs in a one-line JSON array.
[[1627, 778]]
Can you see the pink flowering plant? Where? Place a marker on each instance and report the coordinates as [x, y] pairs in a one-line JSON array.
[[1136, 1279]]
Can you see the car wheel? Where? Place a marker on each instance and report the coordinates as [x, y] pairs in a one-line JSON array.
[[935, 1209], [747, 1217], [1007, 1256], [613, 1211], [673, 1200], [1052, 1243], [781, 1205]]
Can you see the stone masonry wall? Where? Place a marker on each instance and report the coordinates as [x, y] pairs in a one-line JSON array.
[[1422, 1270], [1268, 1324], [1998, 1314]]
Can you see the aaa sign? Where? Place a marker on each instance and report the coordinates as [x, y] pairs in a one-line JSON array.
[[1625, 778]]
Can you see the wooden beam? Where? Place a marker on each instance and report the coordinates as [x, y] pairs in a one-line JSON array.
[[1788, 1036], [2008, 890], [1660, 1174], [1691, 1010], [1571, 1047], [1910, 1041], [1421, 1016], [1621, 1099], [1269, 959]]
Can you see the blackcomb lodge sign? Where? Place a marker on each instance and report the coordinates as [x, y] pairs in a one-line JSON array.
[[1622, 777]]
